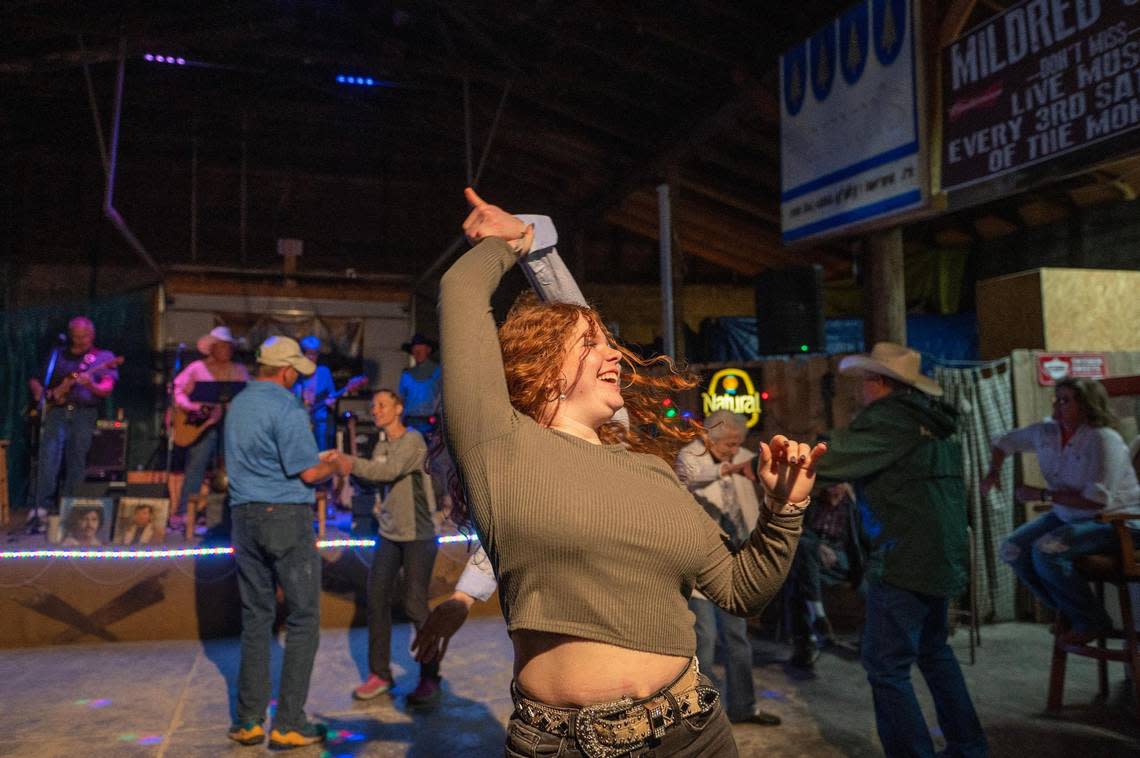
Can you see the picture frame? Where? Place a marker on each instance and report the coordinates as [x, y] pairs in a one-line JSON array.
[[84, 522], [133, 528]]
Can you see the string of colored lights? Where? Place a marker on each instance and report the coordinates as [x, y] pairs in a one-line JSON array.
[[188, 552]]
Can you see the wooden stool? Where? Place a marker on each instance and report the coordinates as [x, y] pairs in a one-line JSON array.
[[5, 516], [1120, 568]]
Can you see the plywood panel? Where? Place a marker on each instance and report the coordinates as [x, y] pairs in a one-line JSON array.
[[1090, 309], [1010, 314]]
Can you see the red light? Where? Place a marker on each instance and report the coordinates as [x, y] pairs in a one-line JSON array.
[[118, 424], [764, 395], [431, 420], [667, 402]]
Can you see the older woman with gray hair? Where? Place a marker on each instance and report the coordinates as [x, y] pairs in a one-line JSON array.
[[722, 477]]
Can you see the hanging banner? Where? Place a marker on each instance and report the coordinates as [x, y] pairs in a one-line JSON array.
[[849, 129], [1038, 81]]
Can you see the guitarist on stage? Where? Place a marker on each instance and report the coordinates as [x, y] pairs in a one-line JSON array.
[[82, 377], [318, 392], [217, 366]]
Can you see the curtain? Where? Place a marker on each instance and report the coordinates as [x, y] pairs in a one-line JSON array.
[[124, 324], [984, 398]]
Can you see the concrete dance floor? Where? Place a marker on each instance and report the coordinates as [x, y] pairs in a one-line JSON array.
[[174, 699]]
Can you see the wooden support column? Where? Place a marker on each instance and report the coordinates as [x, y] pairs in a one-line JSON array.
[[886, 289]]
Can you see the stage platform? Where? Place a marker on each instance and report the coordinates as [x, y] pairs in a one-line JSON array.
[[174, 699], [177, 591]]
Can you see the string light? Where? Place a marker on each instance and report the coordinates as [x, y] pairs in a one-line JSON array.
[[189, 552]]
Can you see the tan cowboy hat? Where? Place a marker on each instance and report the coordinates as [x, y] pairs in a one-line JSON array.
[[217, 334], [895, 361]]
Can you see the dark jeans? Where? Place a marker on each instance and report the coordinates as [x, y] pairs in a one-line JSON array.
[[417, 559], [708, 734], [198, 457], [807, 578], [66, 441], [276, 541], [715, 624], [904, 628]]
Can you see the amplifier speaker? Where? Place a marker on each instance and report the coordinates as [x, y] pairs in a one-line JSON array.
[[108, 454], [789, 311]]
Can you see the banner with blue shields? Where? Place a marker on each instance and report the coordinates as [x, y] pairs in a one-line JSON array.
[[849, 130]]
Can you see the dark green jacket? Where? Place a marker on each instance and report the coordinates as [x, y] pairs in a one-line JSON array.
[[902, 454]]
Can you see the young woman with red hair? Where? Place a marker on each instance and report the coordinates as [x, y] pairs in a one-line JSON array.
[[595, 543]]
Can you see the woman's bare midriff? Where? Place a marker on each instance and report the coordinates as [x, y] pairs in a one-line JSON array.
[[569, 671]]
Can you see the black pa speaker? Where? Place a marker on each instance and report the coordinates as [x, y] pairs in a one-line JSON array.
[[108, 454], [789, 311]]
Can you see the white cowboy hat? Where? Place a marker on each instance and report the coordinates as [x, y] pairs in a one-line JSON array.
[[895, 361], [217, 334]]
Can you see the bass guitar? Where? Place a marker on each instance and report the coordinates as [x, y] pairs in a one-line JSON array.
[[57, 395]]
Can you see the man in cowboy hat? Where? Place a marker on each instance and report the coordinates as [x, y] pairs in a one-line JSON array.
[[217, 366], [419, 385], [903, 455]]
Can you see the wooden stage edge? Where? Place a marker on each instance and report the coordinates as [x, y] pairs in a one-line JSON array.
[[56, 601]]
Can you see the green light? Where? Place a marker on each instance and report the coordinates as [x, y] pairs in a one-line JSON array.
[[671, 413], [803, 348]]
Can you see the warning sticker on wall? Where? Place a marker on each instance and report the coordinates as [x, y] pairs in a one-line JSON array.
[[1051, 368]]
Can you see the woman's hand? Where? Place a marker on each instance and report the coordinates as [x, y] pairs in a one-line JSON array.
[[787, 469], [486, 220]]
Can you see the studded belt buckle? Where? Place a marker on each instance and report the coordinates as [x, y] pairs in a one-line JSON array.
[[657, 722], [584, 728]]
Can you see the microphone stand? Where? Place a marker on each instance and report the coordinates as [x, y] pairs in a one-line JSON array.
[[34, 525]]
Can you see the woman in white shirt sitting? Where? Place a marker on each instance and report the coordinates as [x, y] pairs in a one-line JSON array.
[[1087, 467]]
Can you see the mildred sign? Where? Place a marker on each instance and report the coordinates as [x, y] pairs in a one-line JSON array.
[[1043, 79]]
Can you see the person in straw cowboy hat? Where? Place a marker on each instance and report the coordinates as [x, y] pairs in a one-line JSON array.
[[903, 455], [217, 366]]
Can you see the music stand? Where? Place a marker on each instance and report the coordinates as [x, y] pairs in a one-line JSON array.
[[214, 393]]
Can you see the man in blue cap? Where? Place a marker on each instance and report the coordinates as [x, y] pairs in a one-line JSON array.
[[316, 391]]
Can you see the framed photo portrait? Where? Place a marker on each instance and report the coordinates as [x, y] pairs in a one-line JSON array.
[[85, 521], [141, 521]]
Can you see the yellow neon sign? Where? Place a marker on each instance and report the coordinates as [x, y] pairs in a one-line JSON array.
[[737, 394]]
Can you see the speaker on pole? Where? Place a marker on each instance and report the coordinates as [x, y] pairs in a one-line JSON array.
[[789, 311]]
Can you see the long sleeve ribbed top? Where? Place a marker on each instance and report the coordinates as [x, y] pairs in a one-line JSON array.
[[593, 541]]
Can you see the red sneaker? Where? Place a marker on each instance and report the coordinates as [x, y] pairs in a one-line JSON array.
[[427, 693], [373, 686]]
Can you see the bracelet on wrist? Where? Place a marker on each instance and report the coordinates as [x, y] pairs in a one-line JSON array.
[[785, 507]]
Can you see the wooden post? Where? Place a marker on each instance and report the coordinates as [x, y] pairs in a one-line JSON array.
[[885, 318]]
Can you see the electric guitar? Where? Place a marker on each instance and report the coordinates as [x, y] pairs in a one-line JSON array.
[[323, 397], [57, 395]]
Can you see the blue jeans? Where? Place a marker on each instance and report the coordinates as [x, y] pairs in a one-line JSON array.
[[1041, 553], [715, 624], [903, 628], [198, 457], [276, 541], [66, 441]]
